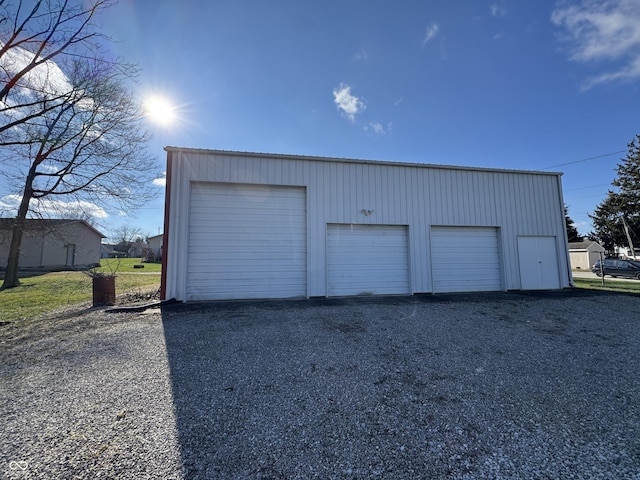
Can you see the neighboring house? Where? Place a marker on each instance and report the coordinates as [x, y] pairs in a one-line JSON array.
[[155, 247], [625, 252], [249, 225], [584, 254], [52, 244], [107, 250], [138, 250]]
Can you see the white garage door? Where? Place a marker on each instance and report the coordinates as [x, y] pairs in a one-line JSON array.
[[367, 259], [465, 259], [246, 241], [539, 268]]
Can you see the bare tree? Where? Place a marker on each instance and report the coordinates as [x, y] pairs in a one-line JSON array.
[[78, 131], [35, 38], [126, 235]]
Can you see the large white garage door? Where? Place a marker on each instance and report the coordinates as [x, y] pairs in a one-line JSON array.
[[246, 241], [465, 259], [367, 259]]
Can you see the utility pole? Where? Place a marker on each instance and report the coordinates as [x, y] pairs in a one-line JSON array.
[[626, 231], [602, 267]]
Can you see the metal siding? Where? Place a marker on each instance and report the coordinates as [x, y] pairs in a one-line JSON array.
[[367, 259], [465, 259], [246, 241], [517, 203]]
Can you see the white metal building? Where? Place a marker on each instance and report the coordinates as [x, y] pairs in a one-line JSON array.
[[248, 225]]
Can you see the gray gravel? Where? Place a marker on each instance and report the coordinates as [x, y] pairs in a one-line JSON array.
[[464, 387]]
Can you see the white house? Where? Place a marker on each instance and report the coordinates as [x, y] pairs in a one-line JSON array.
[[584, 254], [253, 225], [53, 244], [625, 252], [155, 246]]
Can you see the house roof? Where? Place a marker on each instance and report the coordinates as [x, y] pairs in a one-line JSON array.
[[45, 223], [584, 245]]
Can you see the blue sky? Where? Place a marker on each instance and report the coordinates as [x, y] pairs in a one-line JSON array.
[[541, 85]]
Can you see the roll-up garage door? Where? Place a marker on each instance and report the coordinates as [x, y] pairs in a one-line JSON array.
[[367, 259], [246, 241], [465, 259]]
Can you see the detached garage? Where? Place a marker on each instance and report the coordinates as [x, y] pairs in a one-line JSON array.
[[249, 225]]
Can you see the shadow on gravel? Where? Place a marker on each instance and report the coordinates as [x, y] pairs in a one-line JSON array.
[[500, 385]]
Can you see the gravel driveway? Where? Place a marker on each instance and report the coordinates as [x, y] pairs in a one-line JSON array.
[[469, 386]]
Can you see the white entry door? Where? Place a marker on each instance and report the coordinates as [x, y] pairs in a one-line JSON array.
[[538, 258]]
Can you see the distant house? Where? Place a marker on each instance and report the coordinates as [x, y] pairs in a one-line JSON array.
[[138, 250], [625, 252], [107, 250], [583, 255], [155, 247], [52, 244]]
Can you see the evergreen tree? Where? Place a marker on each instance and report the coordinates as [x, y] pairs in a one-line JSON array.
[[624, 202], [572, 231], [608, 229], [628, 180]]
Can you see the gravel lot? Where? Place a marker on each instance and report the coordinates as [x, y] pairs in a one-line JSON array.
[[465, 387]]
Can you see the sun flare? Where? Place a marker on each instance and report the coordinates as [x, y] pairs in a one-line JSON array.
[[160, 110]]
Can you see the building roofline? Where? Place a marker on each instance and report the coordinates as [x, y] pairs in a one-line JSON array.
[[51, 222], [234, 153], [102, 235]]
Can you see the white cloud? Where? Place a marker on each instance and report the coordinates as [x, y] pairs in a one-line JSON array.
[[349, 105], [47, 167], [361, 54], [398, 102], [378, 128], [161, 181], [46, 77], [9, 205], [497, 10], [432, 31], [53, 208], [579, 225], [603, 31], [629, 72]]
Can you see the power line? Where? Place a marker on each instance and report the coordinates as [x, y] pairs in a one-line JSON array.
[[590, 186], [584, 159]]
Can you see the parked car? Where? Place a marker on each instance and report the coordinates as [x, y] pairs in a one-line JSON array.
[[618, 268]]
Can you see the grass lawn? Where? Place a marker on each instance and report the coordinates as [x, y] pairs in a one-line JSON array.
[[39, 294], [42, 293], [117, 265], [609, 285]]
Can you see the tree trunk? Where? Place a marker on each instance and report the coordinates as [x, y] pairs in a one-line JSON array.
[[11, 279]]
